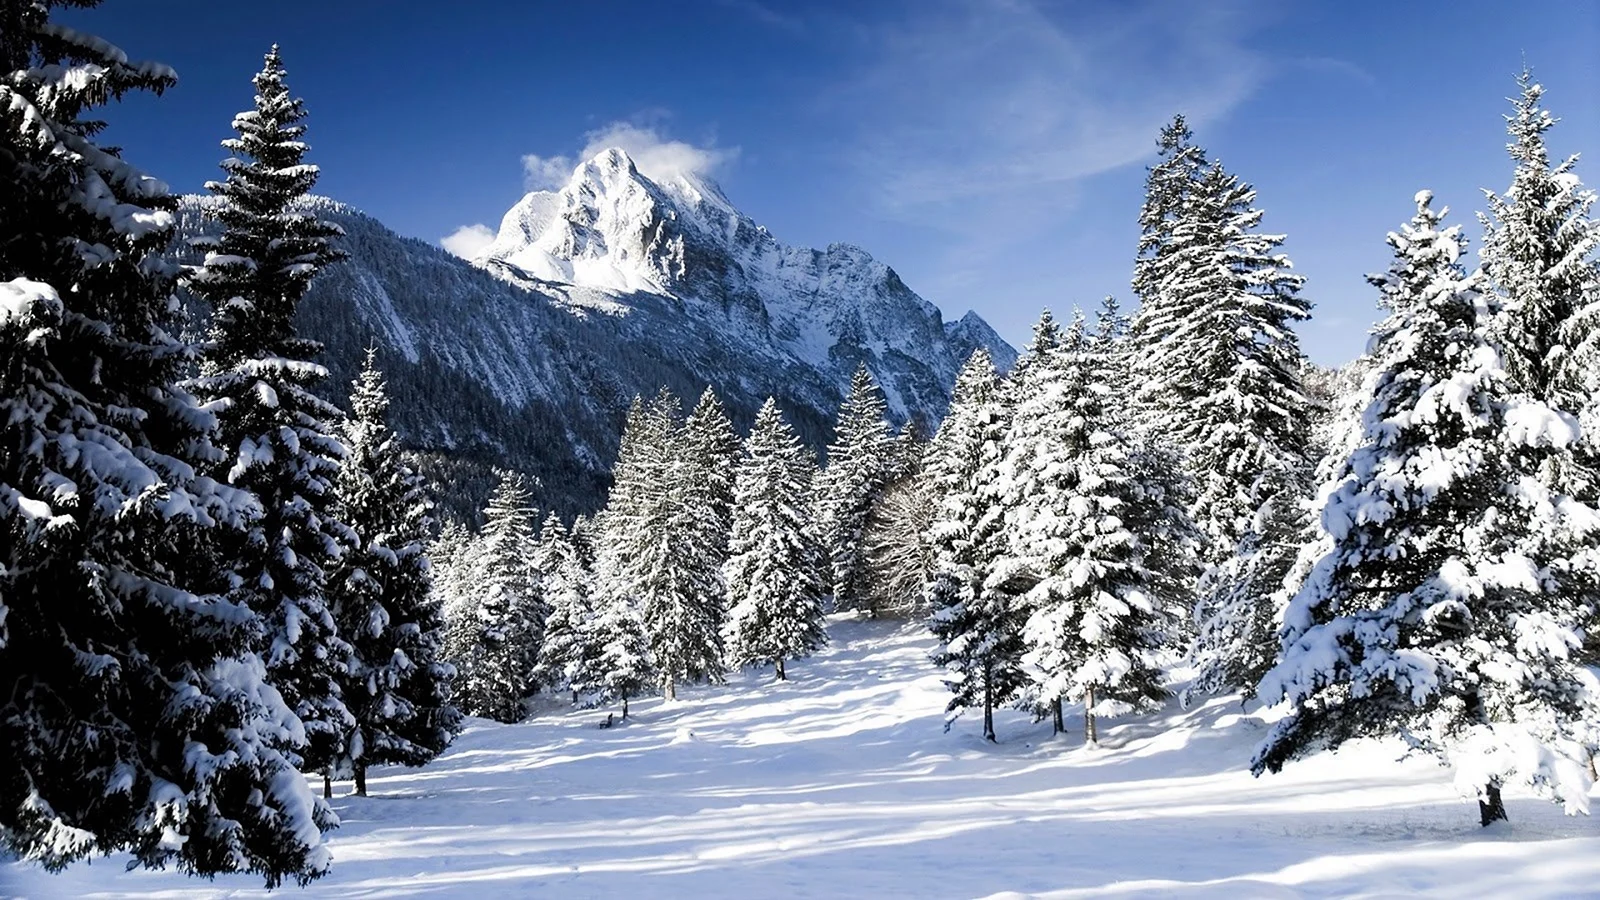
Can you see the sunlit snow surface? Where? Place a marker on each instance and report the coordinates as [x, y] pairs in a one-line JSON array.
[[843, 783]]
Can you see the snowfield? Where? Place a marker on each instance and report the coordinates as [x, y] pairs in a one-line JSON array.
[[844, 783]]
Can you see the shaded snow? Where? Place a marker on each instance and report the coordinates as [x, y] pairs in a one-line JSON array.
[[843, 782]]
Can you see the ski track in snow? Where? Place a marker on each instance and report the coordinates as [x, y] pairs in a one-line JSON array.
[[843, 783]]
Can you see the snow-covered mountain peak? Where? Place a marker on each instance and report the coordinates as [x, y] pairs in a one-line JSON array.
[[614, 229]]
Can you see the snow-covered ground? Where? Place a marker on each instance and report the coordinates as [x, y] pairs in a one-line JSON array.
[[843, 783]]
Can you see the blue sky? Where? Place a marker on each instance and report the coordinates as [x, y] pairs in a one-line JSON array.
[[991, 151]]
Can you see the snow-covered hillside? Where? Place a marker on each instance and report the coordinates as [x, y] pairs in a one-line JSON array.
[[843, 782]]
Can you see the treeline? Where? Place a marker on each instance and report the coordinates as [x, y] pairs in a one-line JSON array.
[[710, 554], [211, 579]]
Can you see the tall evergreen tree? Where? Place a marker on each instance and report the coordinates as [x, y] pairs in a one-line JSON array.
[[1426, 617], [664, 551], [1094, 623], [1168, 185], [135, 715], [500, 639], [859, 466], [277, 429], [774, 596], [1540, 253], [705, 474], [569, 657], [398, 691], [977, 619]]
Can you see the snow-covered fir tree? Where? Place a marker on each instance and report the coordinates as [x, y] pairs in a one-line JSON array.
[[977, 619], [1227, 379], [399, 689], [450, 558], [136, 716], [569, 658], [1539, 252], [279, 433], [1426, 617], [664, 552], [1168, 185], [899, 554], [1219, 368], [496, 643], [774, 592], [704, 474], [1094, 625], [860, 461]]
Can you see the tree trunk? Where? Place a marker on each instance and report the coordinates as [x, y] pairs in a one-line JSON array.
[[988, 707], [1090, 736], [1055, 710], [327, 787], [624, 707], [1491, 808], [781, 676], [671, 690], [574, 696]]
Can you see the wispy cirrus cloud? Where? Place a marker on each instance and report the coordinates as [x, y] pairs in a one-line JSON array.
[[985, 101]]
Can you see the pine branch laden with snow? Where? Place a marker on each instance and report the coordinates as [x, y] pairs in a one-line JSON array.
[[859, 466], [381, 593], [977, 619], [279, 431], [774, 593], [1428, 616], [136, 717]]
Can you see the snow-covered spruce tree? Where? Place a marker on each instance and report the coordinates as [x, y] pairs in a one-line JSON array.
[[1094, 625], [135, 717], [774, 596], [705, 476], [1160, 518], [899, 554], [622, 668], [450, 558], [1425, 618], [504, 628], [569, 657], [1220, 365], [858, 468], [977, 620], [619, 530], [381, 592], [1227, 379], [1540, 253], [1168, 184], [278, 431]]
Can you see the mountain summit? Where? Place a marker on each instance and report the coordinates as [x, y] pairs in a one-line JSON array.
[[613, 229]]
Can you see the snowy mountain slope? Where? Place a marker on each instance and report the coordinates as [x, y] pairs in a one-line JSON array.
[[843, 782], [613, 287]]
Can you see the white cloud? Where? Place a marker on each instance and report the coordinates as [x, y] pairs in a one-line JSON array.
[[658, 157], [467, 240]]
